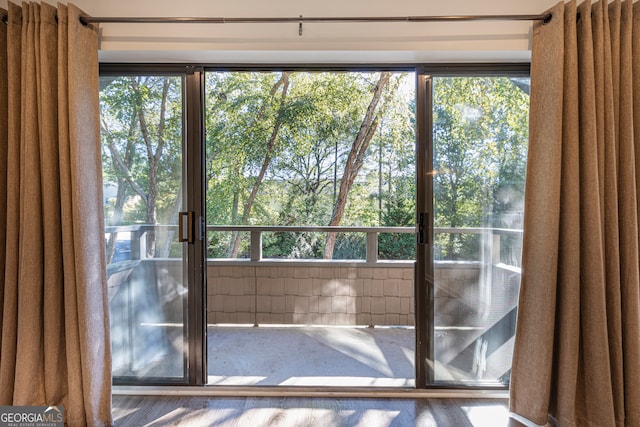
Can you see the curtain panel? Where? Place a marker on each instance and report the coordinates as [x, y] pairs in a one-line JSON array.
[[577, 351], [54, 347]]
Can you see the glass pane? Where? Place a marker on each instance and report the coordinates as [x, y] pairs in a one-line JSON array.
[[289, 154], [142, 161], [480, 138]]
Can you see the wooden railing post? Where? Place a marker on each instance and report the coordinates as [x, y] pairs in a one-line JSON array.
[[256, 245], [495, 248], [372, 247], [138, 244], [136, 249]]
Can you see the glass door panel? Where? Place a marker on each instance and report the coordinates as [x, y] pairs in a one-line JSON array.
[[311, 227], [480, 134], [142, 153]]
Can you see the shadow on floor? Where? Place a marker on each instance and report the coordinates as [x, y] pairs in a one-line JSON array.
[[311, 356]]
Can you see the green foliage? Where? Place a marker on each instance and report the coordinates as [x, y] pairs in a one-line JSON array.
[[480, 143], [120, 124], [141, 132], [318, 120], [350, 246], [480, 148], [399, 212], [305, 245]]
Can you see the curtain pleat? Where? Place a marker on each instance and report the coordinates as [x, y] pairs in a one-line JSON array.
[[542, 214], [54, 336], [55, 347], [4, 139], [10, 285], [567, 311], [29, 364], [83, 211], [577, 351], [630, 256]]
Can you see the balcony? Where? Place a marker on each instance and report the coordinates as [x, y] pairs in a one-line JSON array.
[[474, 307]]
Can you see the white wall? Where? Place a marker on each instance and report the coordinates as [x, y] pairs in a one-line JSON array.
[[345, 42]]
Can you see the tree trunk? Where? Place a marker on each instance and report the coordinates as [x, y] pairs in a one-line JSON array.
[[152, 157], [115, 219], [355, 160], [124, 166], [234, 220], [453, 221], [271, 144], [165, 248]]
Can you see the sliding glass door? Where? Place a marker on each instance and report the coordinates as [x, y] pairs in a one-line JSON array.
[[310, 211], [148, 226], [383, 205], [473, 153]]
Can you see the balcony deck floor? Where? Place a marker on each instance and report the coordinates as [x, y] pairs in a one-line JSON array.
[[311, 356]]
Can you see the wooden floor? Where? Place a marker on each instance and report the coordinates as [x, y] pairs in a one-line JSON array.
[[129, 411]]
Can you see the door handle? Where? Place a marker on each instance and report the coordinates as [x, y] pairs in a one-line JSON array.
[[423, 228], [186, 227]]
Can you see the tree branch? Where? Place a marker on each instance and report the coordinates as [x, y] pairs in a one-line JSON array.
[[354, 159], [120, 164]]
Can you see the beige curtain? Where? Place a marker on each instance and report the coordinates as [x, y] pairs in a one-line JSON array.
[[54, 347], [577, 351]]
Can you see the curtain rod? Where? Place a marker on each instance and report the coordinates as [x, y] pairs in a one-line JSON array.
[[302, 19]]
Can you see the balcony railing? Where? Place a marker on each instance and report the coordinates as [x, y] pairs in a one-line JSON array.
[[497, 245], [474, 298], [256, 233]]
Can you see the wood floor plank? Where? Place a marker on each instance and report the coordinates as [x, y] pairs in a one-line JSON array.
[[138, 411]]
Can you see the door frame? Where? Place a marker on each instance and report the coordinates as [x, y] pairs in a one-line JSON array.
[[194, 151], [194, 261], [196, 251], [425, 268], [424, 278]]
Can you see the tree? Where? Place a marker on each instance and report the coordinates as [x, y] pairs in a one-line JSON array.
[[306, 129], [480, 136], [355, 159], [316, 143], [295, 179], [399, 212], [141, 125], [121, 194], [297, 148], [269, 152]]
